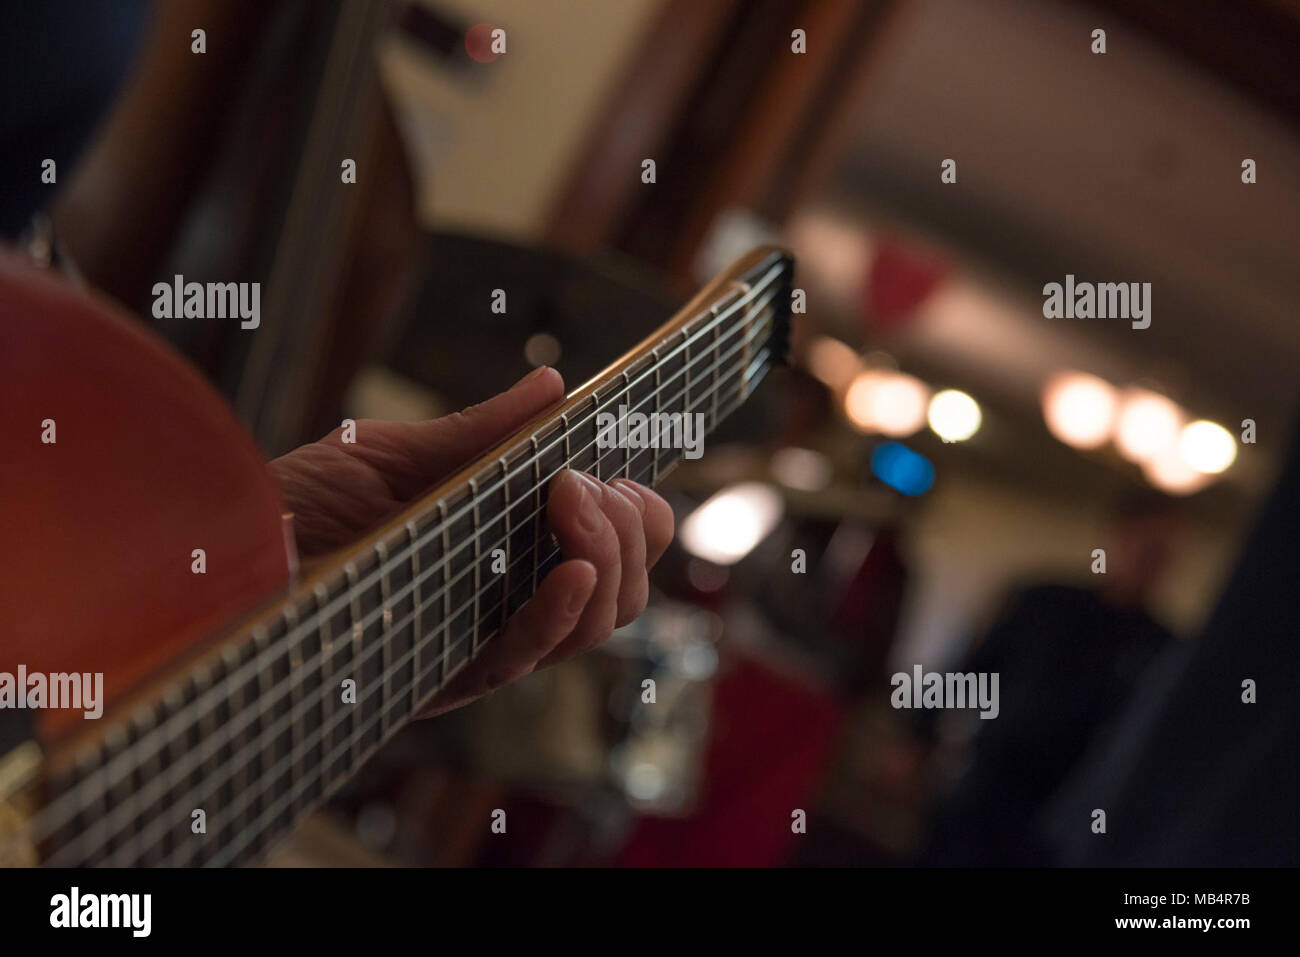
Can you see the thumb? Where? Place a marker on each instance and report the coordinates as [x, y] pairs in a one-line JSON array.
[[441, 445]]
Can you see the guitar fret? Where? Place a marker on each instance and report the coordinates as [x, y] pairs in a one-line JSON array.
[[332, 692], [235, 783], [537, 512], [478, 570], [130, 846], [747, 344], [444, 561], [627, 401], [119, 791], [202, 684], [261, 639], [197, 733], [568, 456], [417, 629], [297, 728], [385, 638], [146, 721], [315, 689], [281, 683], [686, 371], [505, 512], [354, 615], [717, 371], [659, 400], [169, 756], [97, 807], [595, 432], [175, 780]]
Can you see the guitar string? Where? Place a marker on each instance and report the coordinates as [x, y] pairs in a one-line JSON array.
[[255, 664], [258, 826], [302, 709], [321, 768], [231, 851], [289, 686], [217, 740], [105, 772], [421, 606], [213, 696], [356, 735], [445, 522]]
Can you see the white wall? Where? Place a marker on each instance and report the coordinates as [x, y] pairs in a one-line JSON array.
[[491, 153]]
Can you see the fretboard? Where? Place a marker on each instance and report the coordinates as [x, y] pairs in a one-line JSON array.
[[288, 706]]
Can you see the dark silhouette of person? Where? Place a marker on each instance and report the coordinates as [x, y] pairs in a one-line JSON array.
[[1203, 768], [1068, 659]]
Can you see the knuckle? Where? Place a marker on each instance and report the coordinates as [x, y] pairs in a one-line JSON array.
[[630, 491], [605, 549], [456, 421], [619, 500]]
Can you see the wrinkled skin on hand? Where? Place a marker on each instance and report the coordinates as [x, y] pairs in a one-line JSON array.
[[610, 534]]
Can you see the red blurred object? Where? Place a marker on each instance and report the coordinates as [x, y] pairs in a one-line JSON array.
[[148, 465], [868, 610], [478, 42], [902, 277], [772, 738]]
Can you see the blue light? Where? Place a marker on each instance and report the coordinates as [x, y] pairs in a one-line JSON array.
[[902, 469]]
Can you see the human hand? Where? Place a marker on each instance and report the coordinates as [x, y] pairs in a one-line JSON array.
[[610, 534]]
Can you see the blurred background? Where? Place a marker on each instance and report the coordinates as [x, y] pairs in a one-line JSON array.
[[925, 486]]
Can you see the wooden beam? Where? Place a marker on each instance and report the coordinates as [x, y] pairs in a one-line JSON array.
[[637, 117]]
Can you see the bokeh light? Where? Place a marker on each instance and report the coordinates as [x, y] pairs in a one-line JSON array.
[[902, 469], [801, 469], [954, 416], [892, 403], [833, 362], [1079, 409], [1168, 472], [1207, 446], [1147, 426], [729, 524]]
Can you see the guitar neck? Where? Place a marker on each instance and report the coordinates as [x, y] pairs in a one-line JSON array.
[[280, 712]]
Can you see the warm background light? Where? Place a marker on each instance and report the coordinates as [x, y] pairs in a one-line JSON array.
[[1168, 472], [892, 403], [1147, 426], [857, 400], [833, 362], [1207, 446], [729, 524], [954, 416], [1079, 409], [802, 469]]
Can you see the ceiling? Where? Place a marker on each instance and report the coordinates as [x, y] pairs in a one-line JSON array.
[[1122, 167]]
